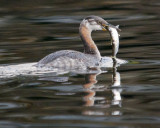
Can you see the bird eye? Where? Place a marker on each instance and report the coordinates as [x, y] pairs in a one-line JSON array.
[[94, 22], [98, 22]]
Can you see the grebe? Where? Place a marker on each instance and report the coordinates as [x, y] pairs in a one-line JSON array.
[[91, 56]]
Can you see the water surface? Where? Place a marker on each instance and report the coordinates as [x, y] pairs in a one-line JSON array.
[[29, 30]]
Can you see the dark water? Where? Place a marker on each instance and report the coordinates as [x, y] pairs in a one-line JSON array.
[[29, 30]]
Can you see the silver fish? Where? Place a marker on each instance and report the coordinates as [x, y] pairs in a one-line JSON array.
[[114, 39]]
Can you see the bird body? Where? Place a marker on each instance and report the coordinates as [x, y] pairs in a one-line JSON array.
[[69, 59], [75, 59]]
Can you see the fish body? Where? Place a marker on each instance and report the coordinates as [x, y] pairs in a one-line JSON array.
[[114, 39]]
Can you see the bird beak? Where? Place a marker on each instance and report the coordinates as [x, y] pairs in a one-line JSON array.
[[112, 26], [104, 28]]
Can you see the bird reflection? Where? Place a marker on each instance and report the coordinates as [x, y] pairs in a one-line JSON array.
[[90, 81], [92, 100]]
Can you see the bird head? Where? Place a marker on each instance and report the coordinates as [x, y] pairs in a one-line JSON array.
[[94, 23]]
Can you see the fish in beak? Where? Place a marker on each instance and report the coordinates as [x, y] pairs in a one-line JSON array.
[[112, 26]]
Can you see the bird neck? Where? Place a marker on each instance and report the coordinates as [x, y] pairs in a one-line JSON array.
[[89, 45]]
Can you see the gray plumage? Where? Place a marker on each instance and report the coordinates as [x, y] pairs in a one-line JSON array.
[[98, 19], [68, 59]]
